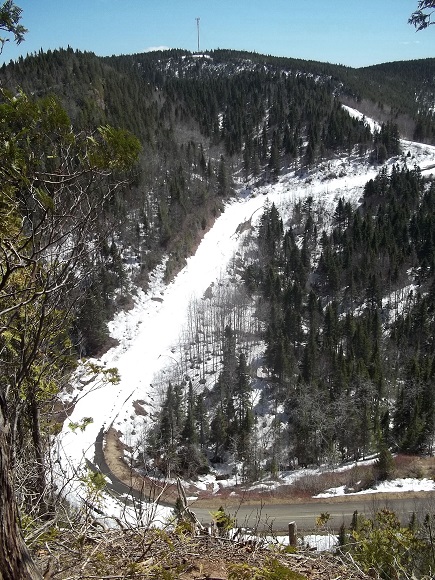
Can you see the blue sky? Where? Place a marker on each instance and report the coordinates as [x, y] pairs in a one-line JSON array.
[[351, 32]]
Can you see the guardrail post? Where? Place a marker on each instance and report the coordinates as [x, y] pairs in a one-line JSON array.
[[292, 531]]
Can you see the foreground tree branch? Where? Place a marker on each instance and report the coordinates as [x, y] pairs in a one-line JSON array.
[[55, 184], [422, 18]]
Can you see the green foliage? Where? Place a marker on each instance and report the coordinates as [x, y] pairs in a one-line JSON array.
[[80, 425], [116, 149], [184, 527], [384, 545], [289, 549], [323, 519], [224, 522], [51, 195], [95, 481], [108, 375], [33, 534], [94, 484]]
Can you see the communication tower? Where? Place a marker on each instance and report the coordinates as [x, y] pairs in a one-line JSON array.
[[197, 28]]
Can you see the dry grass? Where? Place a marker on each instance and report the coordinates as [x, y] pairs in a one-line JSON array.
[[357, 478], [354, 479], [414, 466], [158, 555]]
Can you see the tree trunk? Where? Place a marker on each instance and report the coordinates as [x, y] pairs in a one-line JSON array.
[[39, 454], [15, 560]]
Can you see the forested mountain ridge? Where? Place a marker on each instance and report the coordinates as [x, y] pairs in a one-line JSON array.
[[401, 91], [315, 290], [129, 90], [201, 120]]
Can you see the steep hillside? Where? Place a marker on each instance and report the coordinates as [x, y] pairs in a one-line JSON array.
[[197, 128], [402, 91], [207, 120], [399, 91], [298, 336], [315, 346]]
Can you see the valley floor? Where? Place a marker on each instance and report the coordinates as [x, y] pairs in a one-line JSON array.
[[261, 506]]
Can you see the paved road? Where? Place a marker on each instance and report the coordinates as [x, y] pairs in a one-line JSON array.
[[116, 485], [340, 511], [279, 515]]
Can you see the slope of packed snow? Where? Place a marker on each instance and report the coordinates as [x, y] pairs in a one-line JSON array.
[[147, 334]]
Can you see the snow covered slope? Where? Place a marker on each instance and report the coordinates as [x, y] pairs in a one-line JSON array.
[[148, 333]]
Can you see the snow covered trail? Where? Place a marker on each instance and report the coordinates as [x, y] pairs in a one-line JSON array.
[[147, 333]]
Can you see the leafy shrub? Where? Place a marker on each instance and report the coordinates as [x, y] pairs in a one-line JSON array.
[[384, 545]]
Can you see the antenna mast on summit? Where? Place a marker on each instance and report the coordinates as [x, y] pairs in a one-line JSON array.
[[197, 27]]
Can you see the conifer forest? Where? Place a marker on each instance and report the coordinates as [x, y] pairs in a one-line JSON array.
[[318, 352]]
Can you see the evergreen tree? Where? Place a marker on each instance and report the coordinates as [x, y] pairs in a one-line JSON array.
[[274, 159], [189, 433], [218, 434], [385, 463]]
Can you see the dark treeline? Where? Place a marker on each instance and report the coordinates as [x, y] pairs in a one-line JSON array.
[[199, 120], [352, 363]]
